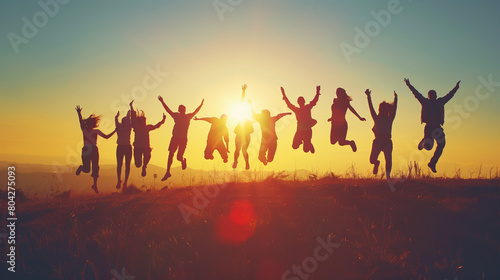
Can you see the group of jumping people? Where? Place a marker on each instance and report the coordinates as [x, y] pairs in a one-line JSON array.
[[218, 137]]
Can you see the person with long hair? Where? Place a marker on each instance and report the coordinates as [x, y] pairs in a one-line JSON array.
[[142, 148], [338, 132], [382, 129], [90, 152], [123, 148]]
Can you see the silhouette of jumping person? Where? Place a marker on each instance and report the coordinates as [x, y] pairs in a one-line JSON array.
[[123, 149], [338, 131], [179, 139], [433, 116], [242, 139], [305, 122], [269, 141], [218, 137], [142, 149], [382, 129], [90, 152]]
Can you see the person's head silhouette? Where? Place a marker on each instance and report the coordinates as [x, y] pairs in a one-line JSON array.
[[141, 119], [342, 94], [182, 109], [384, 109], [223, 118], [432, 94], [266, 114], [92, 121], [301, 101]]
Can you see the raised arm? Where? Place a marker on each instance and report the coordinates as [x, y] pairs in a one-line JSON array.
[[370, 103], [117, 122], [356, 113], [415, 92], [447, 97], [316, 97], [288, 104], [243, 88], [165, 106], [153, 127], [197, 109], [133, 114], [394, 105], [80, 119]]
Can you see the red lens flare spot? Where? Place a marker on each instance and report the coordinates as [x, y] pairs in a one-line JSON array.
[[238, 225]]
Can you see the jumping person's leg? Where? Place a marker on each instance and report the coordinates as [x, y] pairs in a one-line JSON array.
[[95, 167], [374, 155], [138, 156], [171, 151], [308, 146], [128, 159], [119, 163], [221, 148], [244, 150], [439, 136], [209, 150], [427, 142], [237, 148], [272, 150], [180, 153], [342, 134], [387, 148], [262, 152], [147, 158], [297, 139], [86, 159]]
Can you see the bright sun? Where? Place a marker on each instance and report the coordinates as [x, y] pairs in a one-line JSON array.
[[241, 111]]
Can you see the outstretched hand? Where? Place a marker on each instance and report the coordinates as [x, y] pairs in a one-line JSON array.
[[368, 92], [244, 87], [318, 88], [78, 108], [160, 98], [195, 118], [283, 91], [395, 94], [407, 81], [164, 117], [458, 84], [131, 102], [362, 119], [117, 114]]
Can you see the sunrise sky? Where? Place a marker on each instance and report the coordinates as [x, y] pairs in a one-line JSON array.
[[100, 54]]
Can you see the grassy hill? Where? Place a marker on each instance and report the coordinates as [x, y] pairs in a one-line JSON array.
[[427, 229]]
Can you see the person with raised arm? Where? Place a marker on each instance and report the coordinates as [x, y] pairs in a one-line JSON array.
[[142, 148], [338, 132], [305, 122], [123, 148], [269, 140], [382, 129], [218, 137], [179, 139], [90, 152], [433, 116], [243, 130]]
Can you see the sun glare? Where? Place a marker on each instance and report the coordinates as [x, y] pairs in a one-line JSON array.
[[241, 112]]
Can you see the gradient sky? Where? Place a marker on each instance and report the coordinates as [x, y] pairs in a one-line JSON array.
[[95, 53]]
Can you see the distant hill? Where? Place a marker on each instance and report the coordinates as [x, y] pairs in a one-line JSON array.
[[43, 180]]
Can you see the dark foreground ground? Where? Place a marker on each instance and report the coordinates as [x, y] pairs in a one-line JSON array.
[[324, 229]]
